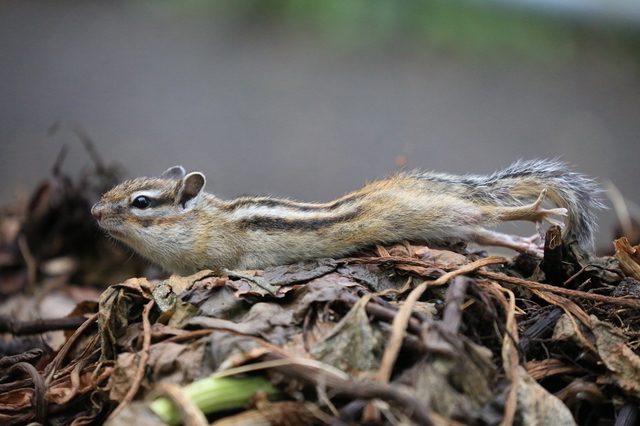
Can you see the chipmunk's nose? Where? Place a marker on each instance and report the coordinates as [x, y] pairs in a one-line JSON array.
[[95, 211]]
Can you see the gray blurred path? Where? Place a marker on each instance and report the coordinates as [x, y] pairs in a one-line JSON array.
[[283, 114]]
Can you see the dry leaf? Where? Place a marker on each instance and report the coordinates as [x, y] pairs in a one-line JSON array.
[[628, 257]]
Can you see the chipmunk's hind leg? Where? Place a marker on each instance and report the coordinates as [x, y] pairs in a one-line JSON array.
[[514, 242], [531, 212]]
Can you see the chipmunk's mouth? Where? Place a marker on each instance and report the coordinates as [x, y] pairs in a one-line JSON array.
[[115, 234], [111, 232], [110, 227]]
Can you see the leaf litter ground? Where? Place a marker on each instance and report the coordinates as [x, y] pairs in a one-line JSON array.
[[398, 335]]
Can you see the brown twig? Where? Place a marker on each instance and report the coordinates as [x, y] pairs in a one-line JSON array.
[[509, 351], [384, 313], [30, 260], [31, 356], [39, 389], [452, 314], [55, 364], [17, 327], [401, 260], [142, 365], [619, 301]]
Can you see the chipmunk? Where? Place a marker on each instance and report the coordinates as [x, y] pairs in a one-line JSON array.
[[171, 221]]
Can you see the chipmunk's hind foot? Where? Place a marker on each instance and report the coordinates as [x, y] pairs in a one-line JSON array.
[[533, 212], [514, 242]]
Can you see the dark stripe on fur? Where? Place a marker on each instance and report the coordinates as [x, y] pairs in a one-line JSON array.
[[273, 202], [281, 224]]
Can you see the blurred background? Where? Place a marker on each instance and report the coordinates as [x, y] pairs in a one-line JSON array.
[[311, 99]]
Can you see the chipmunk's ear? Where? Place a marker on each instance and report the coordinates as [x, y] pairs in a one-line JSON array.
[[190, 187], [175, 172]]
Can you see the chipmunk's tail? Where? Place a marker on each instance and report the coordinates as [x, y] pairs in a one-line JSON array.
[[577, 193]]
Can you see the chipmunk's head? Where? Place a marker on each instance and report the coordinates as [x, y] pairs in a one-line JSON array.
[[137, 210]]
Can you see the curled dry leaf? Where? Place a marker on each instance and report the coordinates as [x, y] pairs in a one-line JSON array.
[[353, 345], [536, 406], [622, 363], [628, 257]]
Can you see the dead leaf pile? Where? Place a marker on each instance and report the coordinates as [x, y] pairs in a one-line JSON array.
[[400, 335]]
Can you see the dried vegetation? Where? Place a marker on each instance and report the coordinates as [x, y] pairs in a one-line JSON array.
[[401, 335]]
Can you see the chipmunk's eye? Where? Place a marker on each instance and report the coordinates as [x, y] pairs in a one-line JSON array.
[[141, 202]]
